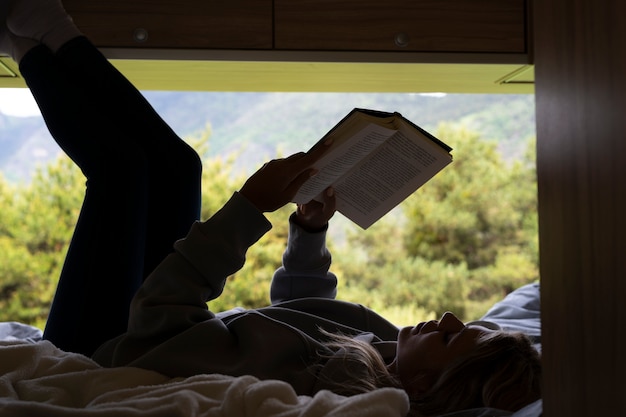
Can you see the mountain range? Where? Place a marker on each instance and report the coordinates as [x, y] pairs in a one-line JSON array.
[[255, 125]]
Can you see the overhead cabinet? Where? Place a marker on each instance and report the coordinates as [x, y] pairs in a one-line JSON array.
[[311, 45], [186, 24], [488, 26], [453, 26]]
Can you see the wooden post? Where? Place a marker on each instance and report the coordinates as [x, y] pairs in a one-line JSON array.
[[580, 67]]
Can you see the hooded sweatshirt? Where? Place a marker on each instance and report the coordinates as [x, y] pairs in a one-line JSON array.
[[172, 331]]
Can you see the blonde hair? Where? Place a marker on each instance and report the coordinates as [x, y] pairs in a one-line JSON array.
[[363, 368], [502, 372]]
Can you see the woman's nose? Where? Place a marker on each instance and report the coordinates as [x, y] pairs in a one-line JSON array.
[[450, 323]]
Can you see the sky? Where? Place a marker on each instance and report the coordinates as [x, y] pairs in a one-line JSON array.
[[20, 102], [17, 102]]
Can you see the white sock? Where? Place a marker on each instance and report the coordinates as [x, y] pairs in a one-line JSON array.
[[45, 21], [21, 46], [14, 46]]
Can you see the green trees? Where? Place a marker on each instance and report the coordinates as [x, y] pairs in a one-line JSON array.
[[36, 223], [460, 243]]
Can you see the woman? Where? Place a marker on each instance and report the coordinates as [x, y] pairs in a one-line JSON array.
[[143, 195]]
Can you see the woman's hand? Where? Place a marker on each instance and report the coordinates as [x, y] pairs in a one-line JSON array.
[[314, 215], [278, 181]]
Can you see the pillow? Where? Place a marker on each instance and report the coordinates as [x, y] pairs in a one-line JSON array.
[[12, 330]]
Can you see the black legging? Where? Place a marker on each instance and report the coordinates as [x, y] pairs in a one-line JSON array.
[[142, 190]]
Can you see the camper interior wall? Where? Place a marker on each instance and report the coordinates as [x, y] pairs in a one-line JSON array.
[[580, 67]]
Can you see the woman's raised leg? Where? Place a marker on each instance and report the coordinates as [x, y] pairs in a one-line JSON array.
[[143, 181]]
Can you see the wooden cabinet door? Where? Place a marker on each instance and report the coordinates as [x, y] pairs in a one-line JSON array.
[[232, 24], [401, 25]]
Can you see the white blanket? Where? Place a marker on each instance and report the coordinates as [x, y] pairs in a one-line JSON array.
[[37, 379]]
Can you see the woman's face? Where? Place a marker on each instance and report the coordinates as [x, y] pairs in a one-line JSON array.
[[428, 347]]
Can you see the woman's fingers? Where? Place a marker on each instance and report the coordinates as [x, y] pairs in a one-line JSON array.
[[277, 181]]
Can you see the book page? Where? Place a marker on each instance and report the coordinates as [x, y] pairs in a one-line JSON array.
[[389, 175], [341, 159]]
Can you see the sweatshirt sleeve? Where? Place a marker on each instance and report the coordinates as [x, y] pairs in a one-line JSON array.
[[173, 298], [305, 269]]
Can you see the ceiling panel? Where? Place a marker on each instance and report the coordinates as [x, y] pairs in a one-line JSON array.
[[259, 75]]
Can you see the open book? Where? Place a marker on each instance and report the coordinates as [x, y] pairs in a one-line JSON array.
[[375, 161]]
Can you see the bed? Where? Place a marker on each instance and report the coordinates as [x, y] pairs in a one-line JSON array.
[[38, 379]]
